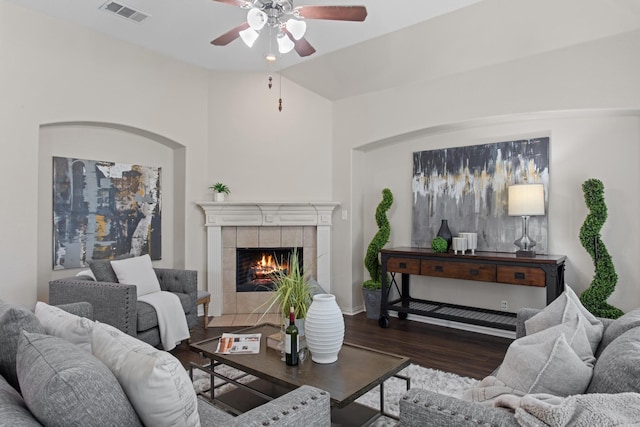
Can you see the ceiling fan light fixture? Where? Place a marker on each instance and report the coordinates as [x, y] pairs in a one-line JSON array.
[[256, 18], [285, 44], [296, 28], [249, 36]]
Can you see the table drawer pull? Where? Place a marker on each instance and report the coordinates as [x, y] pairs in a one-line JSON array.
[[402, 265], [519, 275], [473, 272], [439, 268]]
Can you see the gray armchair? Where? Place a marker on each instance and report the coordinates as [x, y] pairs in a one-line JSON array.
[[117, 304]]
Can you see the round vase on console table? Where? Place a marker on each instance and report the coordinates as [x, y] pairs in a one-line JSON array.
[[324, 329], [445, 233]]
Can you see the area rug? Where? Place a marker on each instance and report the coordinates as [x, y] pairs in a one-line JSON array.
[[394, 388]]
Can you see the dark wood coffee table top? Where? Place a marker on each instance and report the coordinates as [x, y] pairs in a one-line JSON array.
[[358, 369]]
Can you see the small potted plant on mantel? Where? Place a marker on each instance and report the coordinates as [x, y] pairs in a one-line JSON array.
[[220, 190]]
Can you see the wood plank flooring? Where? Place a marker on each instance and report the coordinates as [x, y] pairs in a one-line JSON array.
[[464, 353]]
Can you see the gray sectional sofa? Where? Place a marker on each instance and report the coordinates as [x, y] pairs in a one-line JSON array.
[[616, 371], [89, 394]]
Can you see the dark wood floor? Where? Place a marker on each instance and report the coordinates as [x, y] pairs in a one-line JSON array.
[[464, 353]]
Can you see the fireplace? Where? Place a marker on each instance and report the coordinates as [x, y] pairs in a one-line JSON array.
[[256, 267], [232, 225]]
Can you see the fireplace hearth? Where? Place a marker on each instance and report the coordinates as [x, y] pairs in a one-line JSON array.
[[255, 267]]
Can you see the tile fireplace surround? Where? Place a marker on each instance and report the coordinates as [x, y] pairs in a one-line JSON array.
[[262, 224]]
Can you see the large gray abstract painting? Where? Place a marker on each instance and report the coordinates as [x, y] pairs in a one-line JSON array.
[[102, 210], [467, 186]]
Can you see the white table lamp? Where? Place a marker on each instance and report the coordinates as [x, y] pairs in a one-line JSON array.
[[526, 200]]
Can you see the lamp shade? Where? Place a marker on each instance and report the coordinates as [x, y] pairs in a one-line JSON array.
[[249, 36], [526, 199], [285, 44], [256, 18], [296, 28]]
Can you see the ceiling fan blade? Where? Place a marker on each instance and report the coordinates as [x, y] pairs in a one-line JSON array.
[[303, 47], [337, 13], [230, 35], [240, 3]]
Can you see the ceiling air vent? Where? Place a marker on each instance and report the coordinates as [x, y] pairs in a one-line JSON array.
[[124, 11]]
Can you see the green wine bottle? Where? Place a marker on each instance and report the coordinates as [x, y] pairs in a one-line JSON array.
[[291, 342]]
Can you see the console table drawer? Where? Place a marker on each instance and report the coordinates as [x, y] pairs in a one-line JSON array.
[[404, 265], [527, 276], [459, 270]]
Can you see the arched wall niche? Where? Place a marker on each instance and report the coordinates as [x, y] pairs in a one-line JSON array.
[[586, 143], [118, 143]]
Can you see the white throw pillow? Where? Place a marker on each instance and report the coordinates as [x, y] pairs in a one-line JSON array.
[[564, 308], [155, 382], [86, 272], [556, 360], [69, 327], [137, 271]]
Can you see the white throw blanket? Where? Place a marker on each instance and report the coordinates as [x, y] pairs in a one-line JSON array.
[[171, 319], [545, 410]]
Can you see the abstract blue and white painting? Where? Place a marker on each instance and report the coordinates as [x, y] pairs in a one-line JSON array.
[[467, 186], [102, 210]]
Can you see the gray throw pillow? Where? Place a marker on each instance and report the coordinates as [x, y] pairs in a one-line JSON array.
[[103, 271], [619, 327], [617, 369], [566, 307], [556, 360], [66, 386], [13, 410], [13, 320]]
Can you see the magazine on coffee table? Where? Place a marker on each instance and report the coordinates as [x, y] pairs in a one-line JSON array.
[[239, 344]]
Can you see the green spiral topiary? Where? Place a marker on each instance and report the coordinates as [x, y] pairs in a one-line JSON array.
[[604, 282], [371, 260]]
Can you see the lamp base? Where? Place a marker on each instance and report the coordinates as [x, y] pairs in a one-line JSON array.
[[526, 254]]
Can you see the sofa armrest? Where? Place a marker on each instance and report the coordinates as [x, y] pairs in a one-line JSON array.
[[304, 406], [419, 407], [182, 281], [113, 303], [82, 309]]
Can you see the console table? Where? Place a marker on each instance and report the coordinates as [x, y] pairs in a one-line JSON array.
[[542, 271]]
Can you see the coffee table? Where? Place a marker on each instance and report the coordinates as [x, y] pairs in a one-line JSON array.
[[357, 370]]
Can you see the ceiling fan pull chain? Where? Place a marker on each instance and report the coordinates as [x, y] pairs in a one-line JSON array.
[[270, 82], [280, 100]]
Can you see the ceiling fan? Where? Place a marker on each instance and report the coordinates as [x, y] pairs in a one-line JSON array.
[[286, 21]]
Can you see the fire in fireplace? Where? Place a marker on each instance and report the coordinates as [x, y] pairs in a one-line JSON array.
[[255, 267]]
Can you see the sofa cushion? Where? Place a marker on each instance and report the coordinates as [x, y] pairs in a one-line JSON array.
[[13, 320], [556, 360], [66, 386], [618, 327], [617, 369], [137, 271], [69, 327], [13, 410], [157, 384], [567, 307], [102, 270]]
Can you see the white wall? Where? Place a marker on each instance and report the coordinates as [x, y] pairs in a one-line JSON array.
[[586, 97], [54, 73]]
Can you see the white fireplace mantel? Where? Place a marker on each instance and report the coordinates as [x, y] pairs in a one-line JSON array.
[[264, 214]]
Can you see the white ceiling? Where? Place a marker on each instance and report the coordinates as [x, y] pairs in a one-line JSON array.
[[183, 29]]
